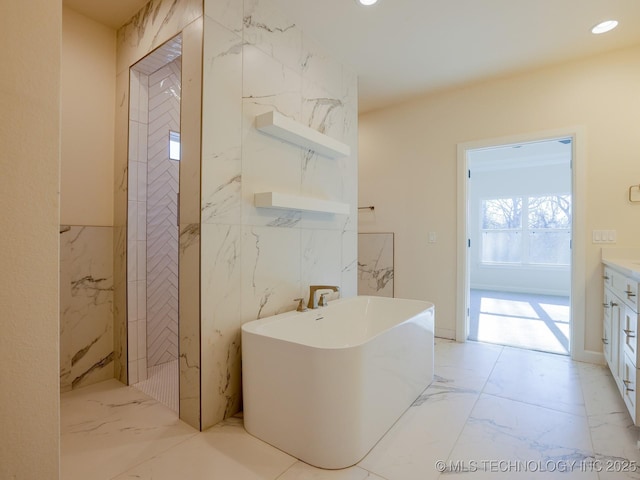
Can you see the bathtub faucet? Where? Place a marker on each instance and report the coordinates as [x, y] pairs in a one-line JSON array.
[[313, 303]]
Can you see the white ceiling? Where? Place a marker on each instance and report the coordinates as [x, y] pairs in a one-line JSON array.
[[403, 48]]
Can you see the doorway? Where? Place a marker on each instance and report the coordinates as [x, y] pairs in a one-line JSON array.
[[519, 217], [152, 223]]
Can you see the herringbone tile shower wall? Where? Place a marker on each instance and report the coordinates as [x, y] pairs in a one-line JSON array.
[[162, 211]]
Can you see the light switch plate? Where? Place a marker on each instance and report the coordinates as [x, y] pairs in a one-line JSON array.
[[604, 236]]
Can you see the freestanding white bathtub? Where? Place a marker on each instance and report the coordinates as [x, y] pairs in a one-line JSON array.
[[325, 385]]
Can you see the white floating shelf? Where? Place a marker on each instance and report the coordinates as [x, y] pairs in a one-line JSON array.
[[294, 132], [295, 202]]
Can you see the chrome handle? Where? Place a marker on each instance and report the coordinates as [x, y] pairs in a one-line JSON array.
[[605, 341], [626, 386], [629, 332], [606, 277], [613, 304], [606, 305], [629, 293]]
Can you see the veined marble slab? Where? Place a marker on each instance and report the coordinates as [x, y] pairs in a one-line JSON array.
[[375, 264], [86, 305]]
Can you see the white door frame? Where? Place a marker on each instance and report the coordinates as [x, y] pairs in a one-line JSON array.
[[578, 278]]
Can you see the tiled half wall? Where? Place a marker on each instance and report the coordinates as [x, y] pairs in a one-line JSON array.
[[86, 305]]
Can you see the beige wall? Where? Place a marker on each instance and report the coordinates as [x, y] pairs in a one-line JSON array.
[[408, 166], [88, 119], [30, 163]]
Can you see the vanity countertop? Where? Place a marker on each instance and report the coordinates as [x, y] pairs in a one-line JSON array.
[[625, 260], [630, 268]]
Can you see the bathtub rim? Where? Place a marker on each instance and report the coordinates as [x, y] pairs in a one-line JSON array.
[[250, 327]]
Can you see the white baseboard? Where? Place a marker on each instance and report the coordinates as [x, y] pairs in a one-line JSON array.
[[588, 356]]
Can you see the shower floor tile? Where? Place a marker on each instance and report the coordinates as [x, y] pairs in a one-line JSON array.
[[162, 383]]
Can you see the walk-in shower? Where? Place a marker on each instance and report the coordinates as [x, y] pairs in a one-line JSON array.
[[152, 223]]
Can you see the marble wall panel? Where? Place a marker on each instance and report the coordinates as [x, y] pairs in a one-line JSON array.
[[349, 265], [157, 22], [269, 30], [375, 264], [191, 123], [325, 108], [190, 205], [228, 13], [270, 84], [350, 137], [321, 69], [222, 115], [86, 306], [322, 110], [221, 302], [189, 308], [257, 260], [119, 304], [321, 258], [120, 207], [271, 259], [268, 164]]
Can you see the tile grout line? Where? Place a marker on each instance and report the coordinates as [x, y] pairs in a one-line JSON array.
[[157, 455], [546, 407], [480, 393], [586, 413]]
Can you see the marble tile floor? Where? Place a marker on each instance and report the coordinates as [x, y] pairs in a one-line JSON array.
[[491, 412], [522, 320]]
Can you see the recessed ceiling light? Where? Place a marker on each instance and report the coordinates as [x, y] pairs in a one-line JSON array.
[[367, 2], [604, 27]]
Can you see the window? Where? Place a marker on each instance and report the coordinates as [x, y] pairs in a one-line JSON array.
[[174, 145], [502, 230], [527, 230]]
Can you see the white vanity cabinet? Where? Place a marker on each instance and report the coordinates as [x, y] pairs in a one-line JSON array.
[[620, 333], [610, 325]]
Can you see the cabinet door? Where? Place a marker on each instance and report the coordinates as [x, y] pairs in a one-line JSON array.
[[607, 276], [629, 326], [606, 341], [606, 329], [629, 386], [624, 287], [617, 353]]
